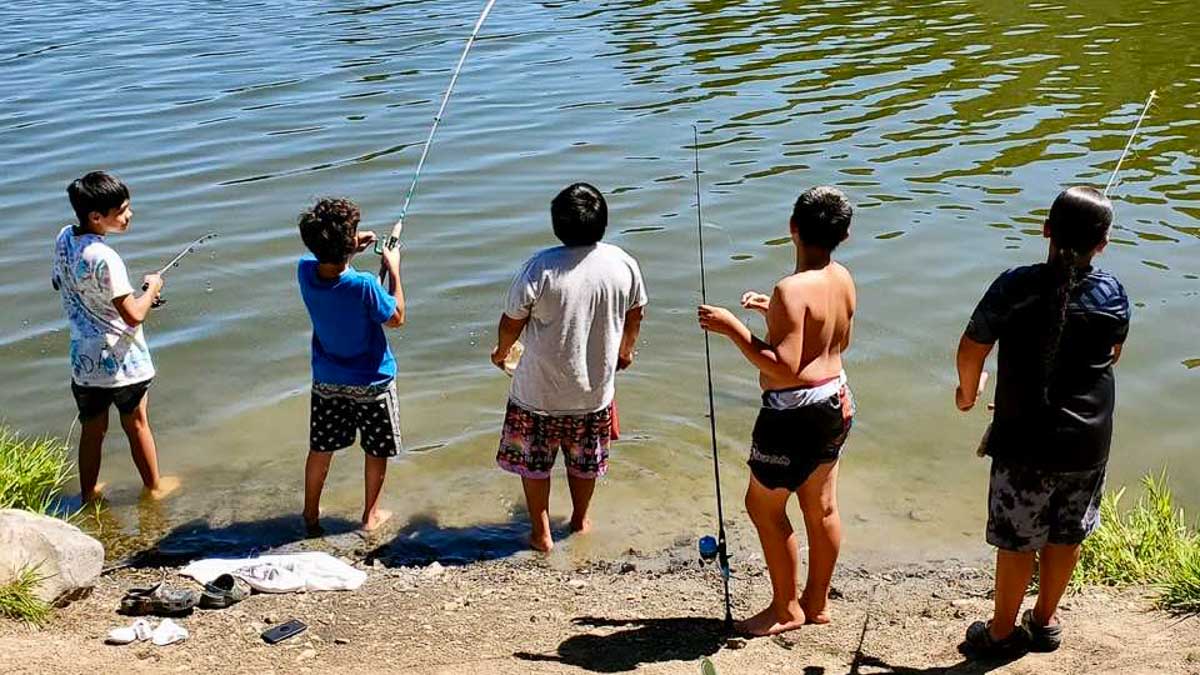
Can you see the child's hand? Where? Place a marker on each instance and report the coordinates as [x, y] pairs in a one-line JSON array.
[[498, 358], [391, 259], [963, 402], [756, 301], [364, 240], [152, 283], [717, 319]]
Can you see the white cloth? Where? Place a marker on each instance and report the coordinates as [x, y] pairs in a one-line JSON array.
[[284, 573], [575, 299], [802, 397], [89, 275]]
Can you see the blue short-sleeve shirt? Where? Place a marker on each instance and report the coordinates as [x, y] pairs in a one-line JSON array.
[[347, 313]]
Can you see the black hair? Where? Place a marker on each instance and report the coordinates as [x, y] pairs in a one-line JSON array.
[[1078, 223], [330, 228], [579, 215], [96, 192], [822, 216]]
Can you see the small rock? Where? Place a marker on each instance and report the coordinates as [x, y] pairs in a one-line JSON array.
[[628, 567], [735, 643], [306, 654], [341, 641], [960, 603], [919, 516], [577, 584], [836, 593], [433, 571]]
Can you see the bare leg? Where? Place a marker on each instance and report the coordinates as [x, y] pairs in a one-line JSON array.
[[1013, 571], [823, 526], [91, 442], [581, 498], [768, 510], [374, 471], [145, 452], [316, 468], [537, 500], [1056, 563]]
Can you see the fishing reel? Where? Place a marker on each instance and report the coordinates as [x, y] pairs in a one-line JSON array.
[[388, 242], [713, 551]]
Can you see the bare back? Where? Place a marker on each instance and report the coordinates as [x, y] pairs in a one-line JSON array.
[[809, 323]]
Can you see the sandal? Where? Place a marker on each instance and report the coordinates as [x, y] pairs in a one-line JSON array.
[[224, 591], [158, 600], [981, 644], [1042, 638]]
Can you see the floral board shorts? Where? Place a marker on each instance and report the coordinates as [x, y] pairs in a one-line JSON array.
[[530, 442], [1029, 508], [339, 412]]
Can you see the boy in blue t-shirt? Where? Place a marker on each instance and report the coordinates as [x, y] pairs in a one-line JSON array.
[[354, 373]]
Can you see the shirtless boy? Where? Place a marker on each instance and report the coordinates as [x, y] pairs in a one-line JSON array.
[[806, 409]]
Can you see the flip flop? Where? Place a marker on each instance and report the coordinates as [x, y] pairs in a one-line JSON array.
[[224, 591], [158, 600], [138, 631], [167, 633]]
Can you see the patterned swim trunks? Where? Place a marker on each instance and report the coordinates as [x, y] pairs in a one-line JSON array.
[[1029, 508], [530, 442], [338, 412]]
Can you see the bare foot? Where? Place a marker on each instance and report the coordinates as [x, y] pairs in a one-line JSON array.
[[96, 497], [771, 622], [543, 544], [813, 612], [374, 521], [166, 486], [581, 527]]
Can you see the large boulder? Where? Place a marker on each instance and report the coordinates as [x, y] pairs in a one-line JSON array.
[[68, 560]]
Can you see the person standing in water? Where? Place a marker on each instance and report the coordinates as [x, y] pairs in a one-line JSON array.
[[1060, 326], [806, 411], [579, 307]]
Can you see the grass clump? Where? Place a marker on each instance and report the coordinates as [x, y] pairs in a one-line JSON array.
[[18, 601], [1151, 543], [33, 471]]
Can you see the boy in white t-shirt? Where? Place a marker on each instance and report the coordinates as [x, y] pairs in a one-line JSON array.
[[110, 362], [579, 308]]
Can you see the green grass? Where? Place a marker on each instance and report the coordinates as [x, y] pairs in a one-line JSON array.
[[1152, 543], [17, 599], [33, 471]]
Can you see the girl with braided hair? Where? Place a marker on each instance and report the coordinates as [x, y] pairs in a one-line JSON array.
[[1060, 326]]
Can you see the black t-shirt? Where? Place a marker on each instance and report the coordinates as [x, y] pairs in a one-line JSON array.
[[1073, 432]]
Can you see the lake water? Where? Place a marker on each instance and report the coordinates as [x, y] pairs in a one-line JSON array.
[[951, 125]]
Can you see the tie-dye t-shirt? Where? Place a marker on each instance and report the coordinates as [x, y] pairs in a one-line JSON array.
[[89, 275]]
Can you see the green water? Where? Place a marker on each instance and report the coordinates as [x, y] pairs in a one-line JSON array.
[[951, 125]]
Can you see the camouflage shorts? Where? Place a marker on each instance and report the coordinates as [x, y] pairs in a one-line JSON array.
[[1029, 508]]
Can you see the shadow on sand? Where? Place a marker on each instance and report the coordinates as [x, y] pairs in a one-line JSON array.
[[198, 539], [642, 641], [423, 540]]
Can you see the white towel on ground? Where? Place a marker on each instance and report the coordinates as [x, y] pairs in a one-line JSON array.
[[284, 573]]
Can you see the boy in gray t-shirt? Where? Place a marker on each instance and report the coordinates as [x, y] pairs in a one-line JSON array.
[[579, 308]]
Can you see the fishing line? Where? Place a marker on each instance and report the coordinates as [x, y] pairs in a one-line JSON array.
[[722, 551], [1141, 118], [188, 250], [394, 237]]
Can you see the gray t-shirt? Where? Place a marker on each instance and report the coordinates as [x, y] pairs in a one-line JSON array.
[[575, 299]]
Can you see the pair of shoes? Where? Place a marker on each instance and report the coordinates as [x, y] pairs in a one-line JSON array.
[[168, 632], [1042, 638], [981, 644], [224, 591], [158, 600]]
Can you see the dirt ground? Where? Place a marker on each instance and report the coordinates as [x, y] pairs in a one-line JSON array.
[[658, 614]]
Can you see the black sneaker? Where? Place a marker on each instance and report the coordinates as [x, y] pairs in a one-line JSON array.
[[981, 644], [1042, 638]]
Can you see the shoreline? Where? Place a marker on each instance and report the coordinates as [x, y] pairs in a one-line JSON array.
[[657, 613]]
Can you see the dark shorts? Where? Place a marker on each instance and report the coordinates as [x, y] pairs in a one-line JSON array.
[[530, 442], [788, 445], [339, 412], [1029, 508], [94, 401]]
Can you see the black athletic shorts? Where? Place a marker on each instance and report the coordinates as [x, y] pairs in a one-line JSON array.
[[788, 445], [340, 412], [94, 401]]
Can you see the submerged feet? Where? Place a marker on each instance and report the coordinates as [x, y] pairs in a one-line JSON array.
[[371, 522], [165, 487], [772, 621]]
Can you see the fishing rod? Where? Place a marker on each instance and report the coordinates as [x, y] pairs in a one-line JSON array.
[[1112, 179], [709, 548], [394, 238], [188, 250]]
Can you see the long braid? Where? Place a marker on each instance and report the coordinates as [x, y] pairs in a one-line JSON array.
[[1067, 274]]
